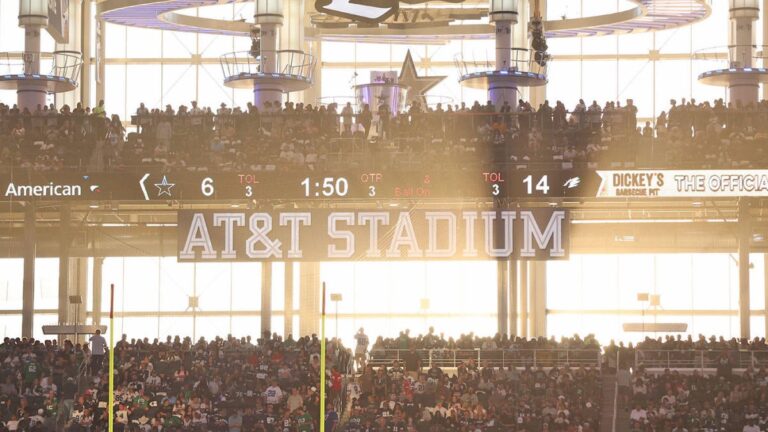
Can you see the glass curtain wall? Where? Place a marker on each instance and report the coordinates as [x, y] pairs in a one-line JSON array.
[[154, 297], [389, 297], [11, 292], [594, 293], [161, 67], [598, 293], [650, 68]]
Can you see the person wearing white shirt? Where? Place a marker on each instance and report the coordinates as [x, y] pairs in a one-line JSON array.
[[295, 401], [273, 394], [12, 424], [361, 348], [638, 414], [98, 350]]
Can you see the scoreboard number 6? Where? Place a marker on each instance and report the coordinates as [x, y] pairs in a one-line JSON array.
[[206, 187], [542, 185]]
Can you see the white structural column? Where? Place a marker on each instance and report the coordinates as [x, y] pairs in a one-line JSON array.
[[28, 283], [33, 18], [523, 307], [503, 14], [765, 288], [744, 237], [765, 59], [288, 308], [309, 299], [312, 94], [269, 18], [101, 59], [741, 39], [537, 298], [502, 290], [266, 298], [512, 297], [97, 271], [292, 33], [78, 286], [86, 19]]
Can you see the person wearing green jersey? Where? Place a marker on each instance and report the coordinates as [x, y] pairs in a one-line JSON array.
[[31, 372], [100, 111], [140, 401], [304, 421]]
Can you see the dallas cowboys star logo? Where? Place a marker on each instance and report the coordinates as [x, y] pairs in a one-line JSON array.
[[164, 188]]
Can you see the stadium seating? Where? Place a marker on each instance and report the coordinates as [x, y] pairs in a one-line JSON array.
[[299, 137], [272, 384], [172, 385]]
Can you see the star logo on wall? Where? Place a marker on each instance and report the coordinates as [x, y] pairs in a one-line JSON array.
[[164, 188], [418, 86]]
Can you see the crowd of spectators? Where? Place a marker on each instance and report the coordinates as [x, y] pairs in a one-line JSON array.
[[297, 136], [701, 351], [412, 395], [710, 396], [406, 397], [724, 401], [432, 340], [271, 384], [227, 384]]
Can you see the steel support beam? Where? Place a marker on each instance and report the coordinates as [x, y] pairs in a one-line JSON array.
[[266, 298], [513, 304], [309, 299], [98, 265], [523, 288], [745, 234], [537, 298], [30, 255], [288, 307], [64, 247], [502, 289]]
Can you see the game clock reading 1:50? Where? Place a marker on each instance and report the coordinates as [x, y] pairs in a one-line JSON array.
[[327, 187]]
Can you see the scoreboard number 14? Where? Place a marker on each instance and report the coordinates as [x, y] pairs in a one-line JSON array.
[[542, 185]]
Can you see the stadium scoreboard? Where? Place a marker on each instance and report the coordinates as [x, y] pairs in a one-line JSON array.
[[383, 185], [307, 185]]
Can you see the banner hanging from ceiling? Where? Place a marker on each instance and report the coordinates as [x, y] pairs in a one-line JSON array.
[[58, 20]]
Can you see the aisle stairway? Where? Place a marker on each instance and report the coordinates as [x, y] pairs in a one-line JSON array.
[[606, 405], [607, 408]]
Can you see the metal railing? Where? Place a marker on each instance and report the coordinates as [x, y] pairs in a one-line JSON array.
[[451, 358], [63, 64], [699, 359], [287, 62], [520, 60], [733, 55]]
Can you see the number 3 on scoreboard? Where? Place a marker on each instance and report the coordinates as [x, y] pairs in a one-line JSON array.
[[542, 186]]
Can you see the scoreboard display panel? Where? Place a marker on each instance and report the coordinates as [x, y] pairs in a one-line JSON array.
[[358, 185], [374, 185]]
